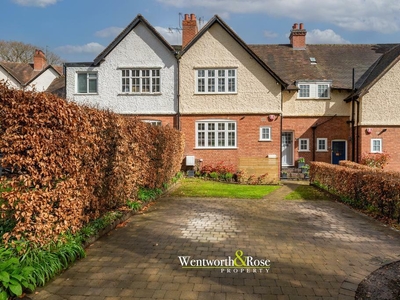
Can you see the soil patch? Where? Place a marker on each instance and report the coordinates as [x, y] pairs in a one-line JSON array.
[[383, 284]]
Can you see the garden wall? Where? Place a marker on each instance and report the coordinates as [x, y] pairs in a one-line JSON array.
[[361, 186], [70, 163]]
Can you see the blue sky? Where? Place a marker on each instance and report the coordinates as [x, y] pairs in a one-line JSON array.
[[77, 30]]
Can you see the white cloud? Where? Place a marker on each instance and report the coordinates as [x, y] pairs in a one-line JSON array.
[[327, 36], [94, 48], [269, 34], [357, 15], [109, 32], [173, 36], [40, 3]]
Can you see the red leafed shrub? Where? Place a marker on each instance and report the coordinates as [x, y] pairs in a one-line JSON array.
[[361, 186], [375, 160], [71, 163]]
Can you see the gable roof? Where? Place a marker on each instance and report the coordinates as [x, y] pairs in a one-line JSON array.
[[377, 71], [139, 19], [333, 62], [24, 73], [217, 20]]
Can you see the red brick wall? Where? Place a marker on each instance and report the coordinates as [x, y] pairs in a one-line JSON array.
[[390, 143], [332, 128], [248, 133]]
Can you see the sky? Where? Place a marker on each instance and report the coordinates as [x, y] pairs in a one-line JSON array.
[[78, 30]]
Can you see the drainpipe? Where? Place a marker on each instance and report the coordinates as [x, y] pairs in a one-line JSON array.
[[353, 128], [178, 116], [313, 141], [357, 132]]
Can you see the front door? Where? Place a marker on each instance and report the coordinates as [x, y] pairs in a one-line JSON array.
[[287, 148], [338, 151]]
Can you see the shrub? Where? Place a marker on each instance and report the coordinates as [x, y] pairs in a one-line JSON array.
[[375, 160], [71, 164]]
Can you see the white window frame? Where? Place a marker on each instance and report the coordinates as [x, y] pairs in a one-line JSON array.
[[210, 134], [313, 90], [266, 136], [373, 146], [153, 122], [307, 149], [325, 149], [90, 76], [145, 80], [216, 81]]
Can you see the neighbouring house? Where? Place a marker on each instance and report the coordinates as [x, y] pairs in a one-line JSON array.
[[136, 75], [375, 109], [319, 122], [39, 75], [230, 100]]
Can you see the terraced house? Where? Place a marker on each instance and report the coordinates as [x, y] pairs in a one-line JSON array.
[[259, 107]]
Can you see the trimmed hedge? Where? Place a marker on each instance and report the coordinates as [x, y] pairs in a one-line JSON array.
[[72, 163], [360, 186]]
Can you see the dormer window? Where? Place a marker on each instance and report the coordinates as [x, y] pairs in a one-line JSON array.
[[314, 90]]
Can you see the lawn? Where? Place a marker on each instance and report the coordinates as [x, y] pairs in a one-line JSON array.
[[194, 187], [307, 192]]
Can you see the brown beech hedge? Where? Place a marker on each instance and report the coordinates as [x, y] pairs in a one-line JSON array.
[[71, 163], [361, 186]]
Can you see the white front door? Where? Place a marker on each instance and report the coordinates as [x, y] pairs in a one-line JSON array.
[[287, 148]]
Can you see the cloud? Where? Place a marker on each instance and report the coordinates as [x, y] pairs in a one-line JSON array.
[[356, 15], [269, 34], [40, 3], [327, 36], [173, 36], [109, 32], [95, 48]]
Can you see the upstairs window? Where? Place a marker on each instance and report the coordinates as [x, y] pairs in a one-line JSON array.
[[313, 90], [219, 81], [87, 83], [140, 81]]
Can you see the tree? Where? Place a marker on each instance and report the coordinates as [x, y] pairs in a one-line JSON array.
[[14, 51]]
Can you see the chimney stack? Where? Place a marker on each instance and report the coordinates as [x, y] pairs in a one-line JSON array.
[[298, 37], [39, 60], [189, 29]]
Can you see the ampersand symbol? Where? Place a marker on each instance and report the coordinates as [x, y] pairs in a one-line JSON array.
[[239, 255]]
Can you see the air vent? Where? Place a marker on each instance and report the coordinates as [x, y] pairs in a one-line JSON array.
[[190, 162]]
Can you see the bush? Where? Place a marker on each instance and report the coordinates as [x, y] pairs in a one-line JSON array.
[[71, 164], [360, 186], [375, 160]]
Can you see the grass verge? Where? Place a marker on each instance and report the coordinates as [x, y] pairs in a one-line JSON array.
[[307, 192], [194, 187]]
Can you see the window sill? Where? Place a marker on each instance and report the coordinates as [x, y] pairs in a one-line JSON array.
[[215, 93], [265, 140], [85, 94], [215, 148], [322, 151], [313, 98], [139, 94], [303, 151]]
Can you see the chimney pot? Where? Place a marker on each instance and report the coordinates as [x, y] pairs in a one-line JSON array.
[[189, 29], [39, 60], [298, 37]]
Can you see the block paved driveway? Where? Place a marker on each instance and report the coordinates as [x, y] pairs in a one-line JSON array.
[[318, 250]]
